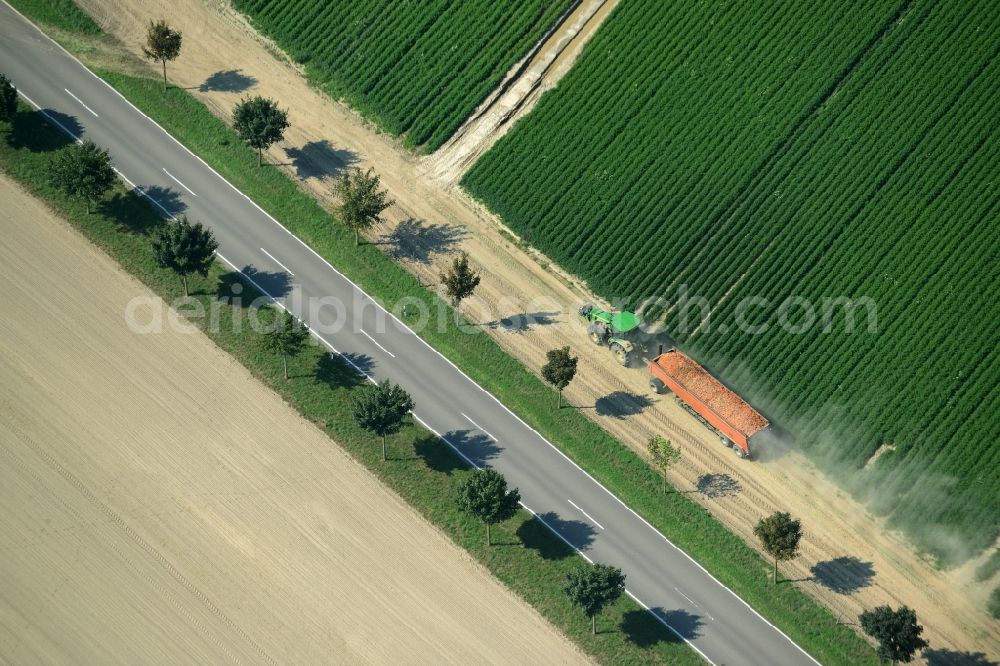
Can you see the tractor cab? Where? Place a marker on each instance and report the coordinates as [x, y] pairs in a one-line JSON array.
[[616, 330]]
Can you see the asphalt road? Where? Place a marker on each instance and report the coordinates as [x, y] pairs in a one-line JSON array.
[[662, 578]]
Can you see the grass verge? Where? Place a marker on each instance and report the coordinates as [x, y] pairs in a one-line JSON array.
[[683, 521]]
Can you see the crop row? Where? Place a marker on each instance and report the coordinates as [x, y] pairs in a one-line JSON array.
[[418, 68], [794, 150]]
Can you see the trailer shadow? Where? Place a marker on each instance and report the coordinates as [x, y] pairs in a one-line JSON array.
[[621, 404], [843, 575], [537, 535], [715, 486]]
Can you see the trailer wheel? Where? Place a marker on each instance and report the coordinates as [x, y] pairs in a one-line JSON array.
[[657, 386]]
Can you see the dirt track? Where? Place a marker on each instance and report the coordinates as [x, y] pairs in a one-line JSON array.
[[159, 505], [438, 219]]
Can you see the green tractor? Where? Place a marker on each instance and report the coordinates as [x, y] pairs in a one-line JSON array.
[[614, 330]]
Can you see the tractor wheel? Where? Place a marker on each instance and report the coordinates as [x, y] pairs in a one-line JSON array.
[[657, 386], [598, 333], [621, 354]]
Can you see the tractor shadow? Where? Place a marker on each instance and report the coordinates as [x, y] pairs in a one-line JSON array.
[[645, 631], [621, 404], [843, 575], [475, 446], [537, 535], [522, 322], [942, 657], [419, 241], [23, 131], [317, 159], [715, 486], [230, 80]]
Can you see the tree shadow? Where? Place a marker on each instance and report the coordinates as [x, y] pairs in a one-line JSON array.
[[537, 535], [686, 624], [644, 630], [437, 455], [334, 372], [942, 657], [233, 287], [843, 575], [418, 241], [230, 80], [275, 284], [361, 362], [33, 131], [620, 404], [316, 159], [169, 198], [718, 485], [131, 211], [475, 446], [522, 322]]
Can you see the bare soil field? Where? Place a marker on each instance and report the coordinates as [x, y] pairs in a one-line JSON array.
[[849, 560], [160, 505]]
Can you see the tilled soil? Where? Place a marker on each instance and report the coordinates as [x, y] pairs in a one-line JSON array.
[[159, 505]]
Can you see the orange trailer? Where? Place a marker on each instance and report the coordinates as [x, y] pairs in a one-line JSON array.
[[707, 398]]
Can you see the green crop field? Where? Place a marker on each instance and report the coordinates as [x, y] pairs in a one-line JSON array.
[[791, 149], [417, 67]]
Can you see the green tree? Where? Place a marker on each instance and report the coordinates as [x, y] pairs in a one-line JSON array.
[[260, 123], [896, 632], [780, 536], [559, 370], [8, 99], [382, 409], [184, 248], [484, 495], [663, 454], [287, 337], [162, 44], [82, 170], [362, 200], [460, 280], [593, 587]]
